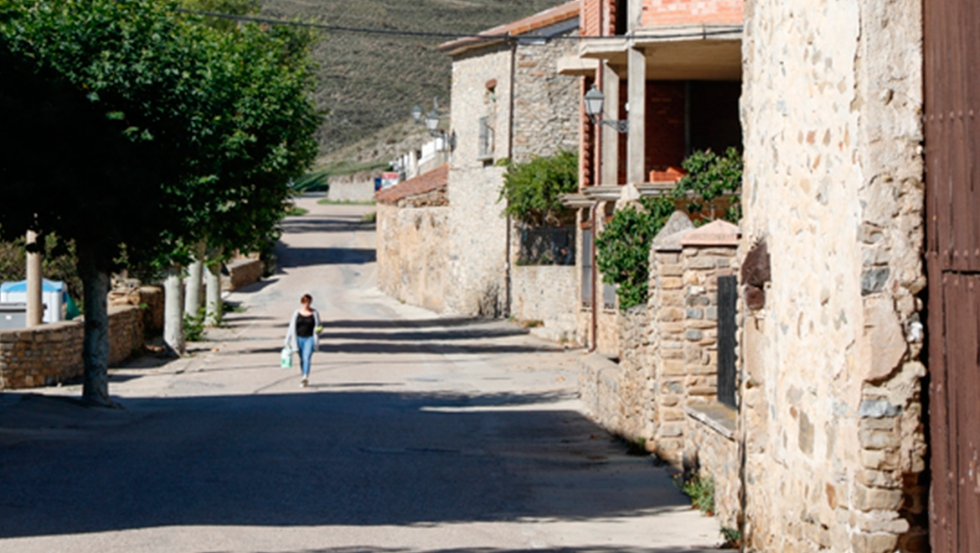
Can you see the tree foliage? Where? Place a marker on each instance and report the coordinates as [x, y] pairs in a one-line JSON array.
[[134, 131], [623, 248], [533, 190]]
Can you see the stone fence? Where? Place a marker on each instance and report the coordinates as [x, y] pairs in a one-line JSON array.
[[243, 272], [663, 392], [52, 353]]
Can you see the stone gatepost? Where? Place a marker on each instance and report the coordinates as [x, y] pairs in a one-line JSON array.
[[685, 266]]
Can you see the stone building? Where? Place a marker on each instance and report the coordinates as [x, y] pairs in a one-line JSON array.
[[832, 421], [508, 103]]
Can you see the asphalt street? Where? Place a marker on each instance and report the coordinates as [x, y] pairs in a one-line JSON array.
[[418, 433]]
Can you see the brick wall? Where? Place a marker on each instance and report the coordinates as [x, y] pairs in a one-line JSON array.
[[689, 12], [52, 353], [664, 125]]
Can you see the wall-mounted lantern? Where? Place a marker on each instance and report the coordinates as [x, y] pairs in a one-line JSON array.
[[594, 102]]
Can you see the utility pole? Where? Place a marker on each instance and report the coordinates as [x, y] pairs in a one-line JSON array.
[[35, 307]]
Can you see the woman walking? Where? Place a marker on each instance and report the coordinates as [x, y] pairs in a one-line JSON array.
[[302, 334]]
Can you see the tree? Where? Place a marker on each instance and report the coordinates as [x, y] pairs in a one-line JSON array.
[[146, 131]]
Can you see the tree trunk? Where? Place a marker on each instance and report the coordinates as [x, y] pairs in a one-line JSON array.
[[214, 304], [192, 297], [173, 312], [35, 280], [95, 345]]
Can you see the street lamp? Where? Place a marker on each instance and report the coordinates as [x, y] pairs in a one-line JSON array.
[[594, 102], [417, 113], [432, 122]]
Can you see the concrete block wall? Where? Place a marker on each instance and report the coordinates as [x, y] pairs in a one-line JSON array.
[[52, 353], [832, 414]]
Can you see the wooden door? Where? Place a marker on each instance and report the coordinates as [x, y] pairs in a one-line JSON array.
[[952, 124]]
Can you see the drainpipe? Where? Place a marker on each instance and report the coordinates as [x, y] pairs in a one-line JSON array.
[[595, 287], [510, 156]]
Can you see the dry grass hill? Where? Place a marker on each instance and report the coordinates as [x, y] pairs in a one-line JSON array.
[[371, 82]]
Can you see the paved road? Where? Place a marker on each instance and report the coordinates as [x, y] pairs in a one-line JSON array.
[[417, 434]]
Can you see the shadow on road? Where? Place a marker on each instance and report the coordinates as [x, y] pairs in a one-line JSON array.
[[299, 225], [360, 458], [403, 323], [290, 258]]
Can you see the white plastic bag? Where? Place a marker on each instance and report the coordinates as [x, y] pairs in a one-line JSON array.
[[286, 358]]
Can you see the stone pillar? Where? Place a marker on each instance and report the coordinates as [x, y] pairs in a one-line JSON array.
[[35, 307], [610, 136], [636, 144]]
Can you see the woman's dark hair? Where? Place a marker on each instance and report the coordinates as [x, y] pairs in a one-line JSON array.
[[307, 299]]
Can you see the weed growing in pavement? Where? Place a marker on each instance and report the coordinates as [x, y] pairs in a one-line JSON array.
[[700, 490], [637, 447], [194, 326], [733, 538]]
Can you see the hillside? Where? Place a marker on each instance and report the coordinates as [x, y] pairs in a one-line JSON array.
[[370, 82]]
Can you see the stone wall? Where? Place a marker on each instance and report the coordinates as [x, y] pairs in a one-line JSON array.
[[148, 298], [412, 260], [52, 353], [547, 293], [832, 413], [668, 357], [711, 450], [242, 272], [546, 104], [345, 190]]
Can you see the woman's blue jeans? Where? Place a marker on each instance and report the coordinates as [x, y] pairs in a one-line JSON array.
[[305, 353]]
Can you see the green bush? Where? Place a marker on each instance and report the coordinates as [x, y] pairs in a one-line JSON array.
[[533, 190], [711, 176], [623, 248]]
